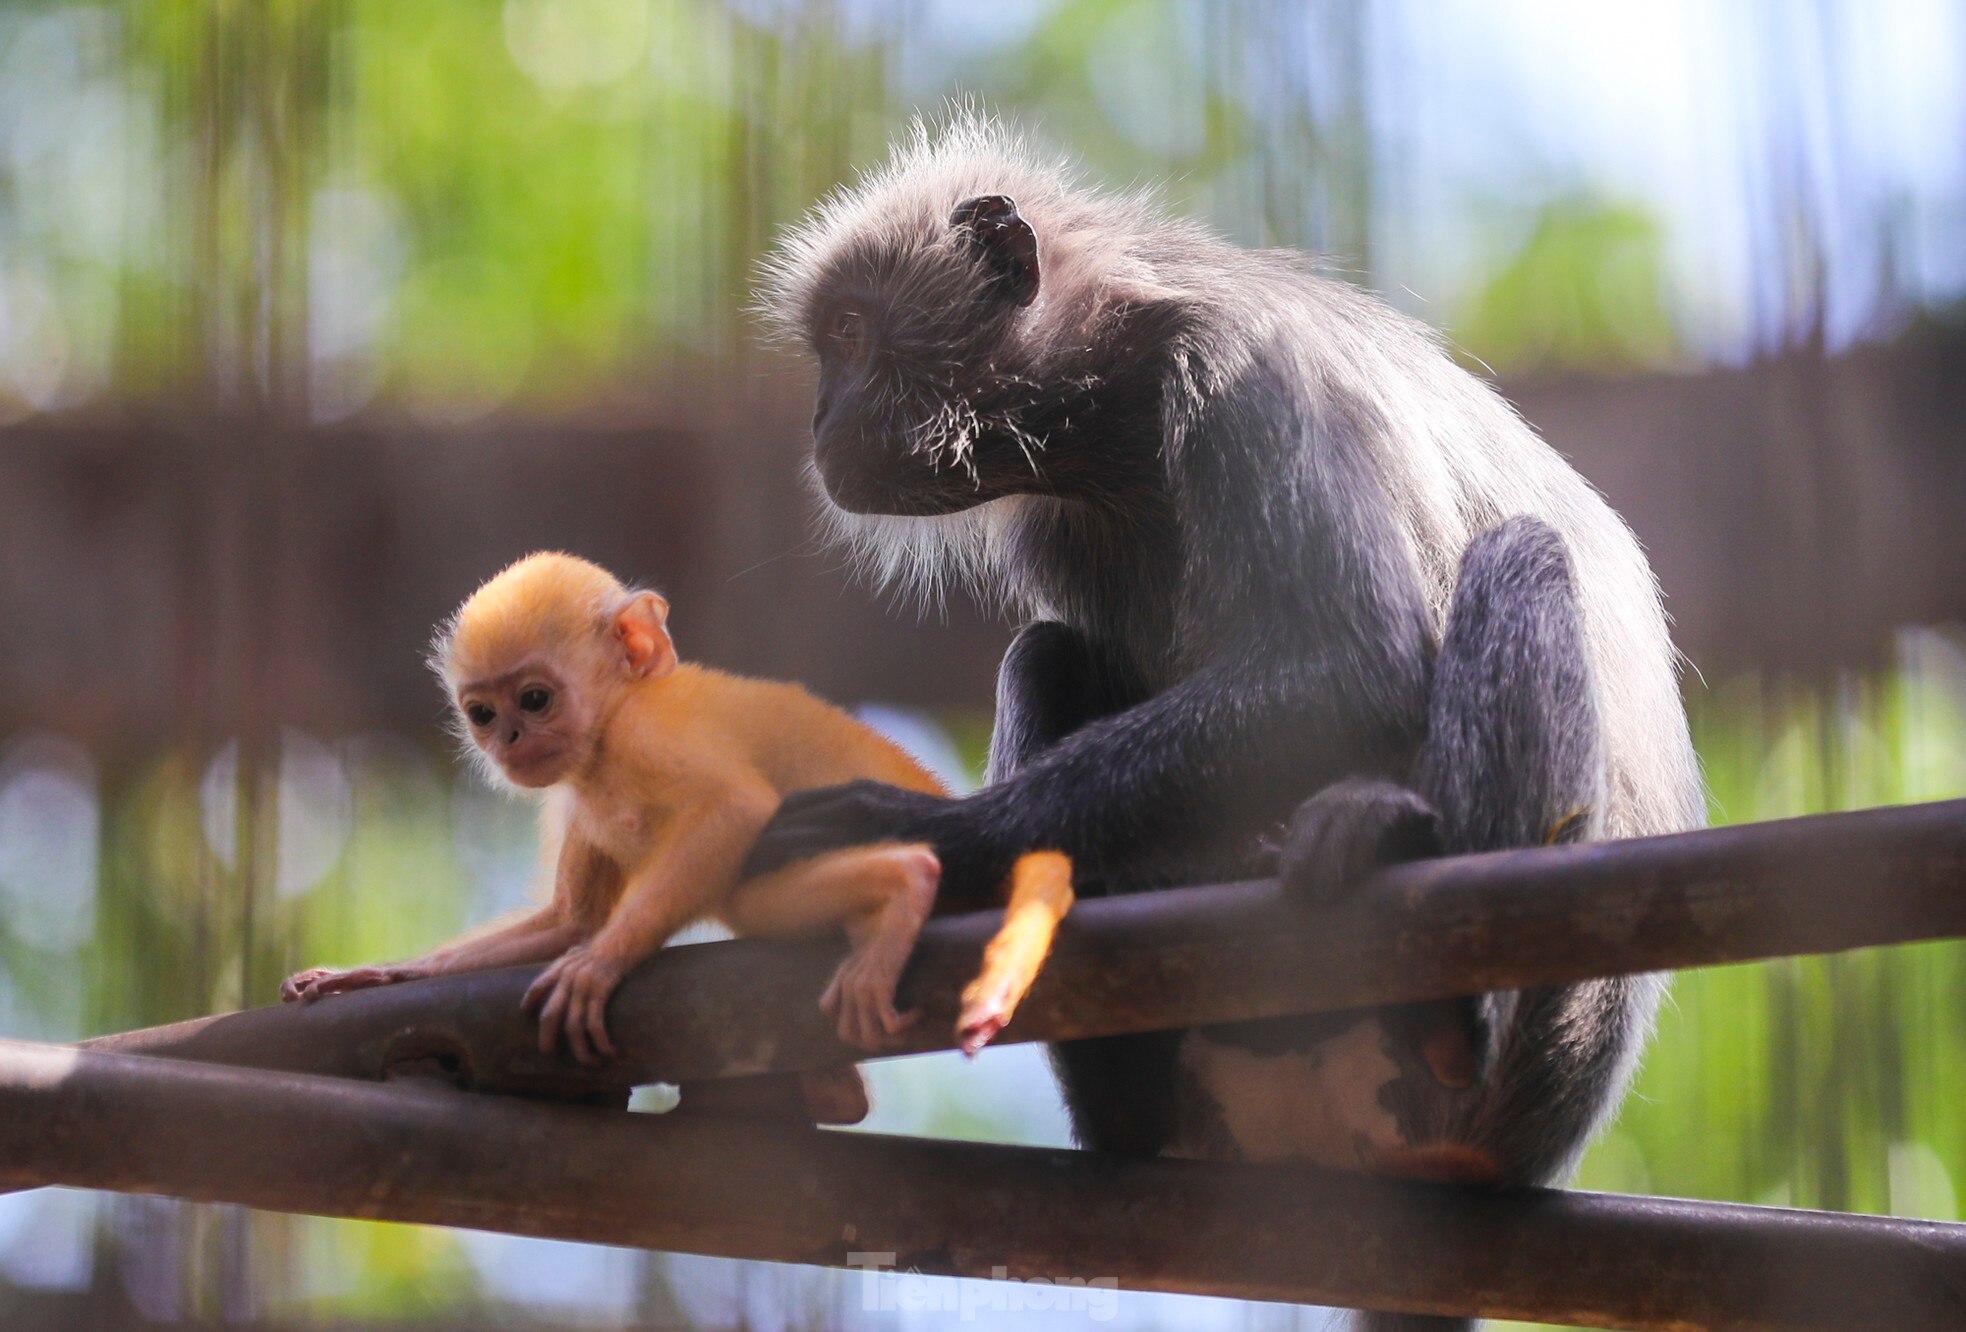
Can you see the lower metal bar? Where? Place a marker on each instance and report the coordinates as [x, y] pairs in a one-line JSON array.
[[403, 1152]]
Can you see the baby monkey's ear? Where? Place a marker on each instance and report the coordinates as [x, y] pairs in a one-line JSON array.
[[1004, 242], [641, 626]]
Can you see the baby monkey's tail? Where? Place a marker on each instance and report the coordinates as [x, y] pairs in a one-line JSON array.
[[1040, 895]]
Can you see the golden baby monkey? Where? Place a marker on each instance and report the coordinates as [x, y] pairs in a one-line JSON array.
[[563, 678]]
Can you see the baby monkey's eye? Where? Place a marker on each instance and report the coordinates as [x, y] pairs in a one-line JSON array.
[[535, 700], [480, 715]]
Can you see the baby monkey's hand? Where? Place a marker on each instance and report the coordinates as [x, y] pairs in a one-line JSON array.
[[571, 995], [318, 981]]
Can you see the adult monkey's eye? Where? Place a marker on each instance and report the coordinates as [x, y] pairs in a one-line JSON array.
[[480, 716], [535, 700], [846, 328]]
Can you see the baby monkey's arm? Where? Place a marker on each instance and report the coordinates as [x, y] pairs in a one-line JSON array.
[[532, 937], [686, 875], [581, 878]]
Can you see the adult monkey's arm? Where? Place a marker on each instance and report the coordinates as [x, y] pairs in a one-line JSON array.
[[1320, 653]]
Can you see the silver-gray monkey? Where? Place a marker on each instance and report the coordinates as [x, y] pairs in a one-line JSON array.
[[1298, 592]]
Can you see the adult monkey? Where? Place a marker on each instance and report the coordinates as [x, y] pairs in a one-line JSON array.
[[1292, 579]]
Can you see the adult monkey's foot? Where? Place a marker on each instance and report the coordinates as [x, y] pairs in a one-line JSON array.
[[1349, 829], [1339, 837]]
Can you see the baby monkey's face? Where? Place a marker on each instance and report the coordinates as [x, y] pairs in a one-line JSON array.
[[531, 722]]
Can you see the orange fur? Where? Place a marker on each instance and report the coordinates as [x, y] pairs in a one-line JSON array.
[[1040, 895], [563, 678]]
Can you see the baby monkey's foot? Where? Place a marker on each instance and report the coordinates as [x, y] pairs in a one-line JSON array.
[[832, 1095], [836, 1095], [861, 1000]]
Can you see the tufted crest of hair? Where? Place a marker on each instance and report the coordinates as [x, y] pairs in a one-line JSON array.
[[547, 602], [890, 229], [888, 235]]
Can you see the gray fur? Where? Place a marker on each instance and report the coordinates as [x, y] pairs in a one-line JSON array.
[[1235, 499]]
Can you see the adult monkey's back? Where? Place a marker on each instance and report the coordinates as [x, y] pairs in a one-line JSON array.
[[1271, 544]]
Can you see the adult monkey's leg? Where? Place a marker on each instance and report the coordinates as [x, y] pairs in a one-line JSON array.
[[1515, 757], [1052, 682], [1514, 752]]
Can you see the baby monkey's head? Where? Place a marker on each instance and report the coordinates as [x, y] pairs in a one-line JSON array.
[[534, 661]]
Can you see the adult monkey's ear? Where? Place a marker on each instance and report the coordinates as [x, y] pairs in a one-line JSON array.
[[1003, 241]]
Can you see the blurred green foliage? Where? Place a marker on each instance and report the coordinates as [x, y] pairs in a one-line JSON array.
[[333, 206], [1818, 1082], [1587, 287], [453, 206], [449, 207]]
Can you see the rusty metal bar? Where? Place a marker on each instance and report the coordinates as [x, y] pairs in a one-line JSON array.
[[1184, 956], [699, 1184]]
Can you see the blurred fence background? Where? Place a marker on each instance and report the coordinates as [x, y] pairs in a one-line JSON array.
[[313, 312]]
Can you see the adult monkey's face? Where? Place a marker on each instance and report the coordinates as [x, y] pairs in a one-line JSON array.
[[926, 403]]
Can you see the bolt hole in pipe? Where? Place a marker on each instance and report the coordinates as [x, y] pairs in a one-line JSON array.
[[426, 1057]]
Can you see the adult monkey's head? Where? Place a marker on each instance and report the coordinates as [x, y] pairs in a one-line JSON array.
[[962, 306], [919, 405]]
